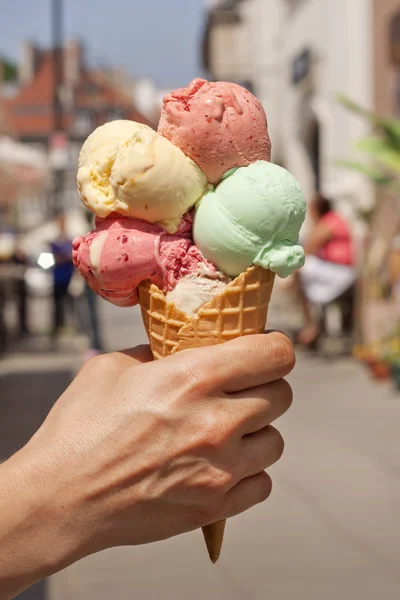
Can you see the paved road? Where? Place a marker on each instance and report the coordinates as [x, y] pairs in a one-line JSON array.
[[330, 529]]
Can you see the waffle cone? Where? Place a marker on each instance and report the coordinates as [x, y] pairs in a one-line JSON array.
[[241, 309]]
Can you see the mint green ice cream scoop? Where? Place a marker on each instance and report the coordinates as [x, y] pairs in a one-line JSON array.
[[253, 216]]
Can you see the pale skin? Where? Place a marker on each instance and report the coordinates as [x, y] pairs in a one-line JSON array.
[[136, 451]]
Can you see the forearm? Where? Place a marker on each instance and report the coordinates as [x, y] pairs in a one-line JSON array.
[[311, 247], [319, 237], [34, 539]]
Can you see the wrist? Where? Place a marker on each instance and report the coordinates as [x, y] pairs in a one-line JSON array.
[[37, 535]]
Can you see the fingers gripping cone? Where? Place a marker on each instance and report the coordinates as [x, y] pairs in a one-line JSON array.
[[241, 309]]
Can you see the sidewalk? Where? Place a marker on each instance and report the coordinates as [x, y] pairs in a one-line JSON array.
[[330, 529], [32, 377]]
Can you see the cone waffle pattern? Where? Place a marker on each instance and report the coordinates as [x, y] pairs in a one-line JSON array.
[[241, 309]]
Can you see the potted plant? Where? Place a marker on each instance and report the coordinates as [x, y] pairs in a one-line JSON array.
[[392, 358], [379, 368], [380, 162], [363, 352], [374, 357]]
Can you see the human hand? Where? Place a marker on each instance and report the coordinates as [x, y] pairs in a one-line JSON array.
[[137, 451]]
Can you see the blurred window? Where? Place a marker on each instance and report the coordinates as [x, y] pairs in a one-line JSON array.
[[113, 114], [90, 88], [83, 122]]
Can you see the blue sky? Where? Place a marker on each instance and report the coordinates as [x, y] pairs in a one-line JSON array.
[[157, 38]]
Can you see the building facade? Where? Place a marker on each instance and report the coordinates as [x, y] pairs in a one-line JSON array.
[[386, 20], [296, 55], [87, 98]]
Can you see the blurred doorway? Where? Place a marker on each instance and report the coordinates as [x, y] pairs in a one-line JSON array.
[[309, 134], [312, 143]]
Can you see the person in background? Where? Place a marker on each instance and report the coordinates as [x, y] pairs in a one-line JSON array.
[[63, 268], [12, 282], [95, 338], [93, 326], [329, 268], [20, 289]]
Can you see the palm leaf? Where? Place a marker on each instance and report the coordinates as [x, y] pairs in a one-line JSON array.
[[381, 151], [373, 172], [393, 186], [389, 127]]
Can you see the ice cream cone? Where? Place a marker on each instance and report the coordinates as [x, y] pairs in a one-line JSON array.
[[214, 536], [241, 309]]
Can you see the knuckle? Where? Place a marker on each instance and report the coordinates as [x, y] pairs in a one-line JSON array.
[[214, 484], [283, 351], [264, 484], [224, 480], [191, 375], [206, 514], [285, 394], [103, 362], [212, 434], [278, 443]]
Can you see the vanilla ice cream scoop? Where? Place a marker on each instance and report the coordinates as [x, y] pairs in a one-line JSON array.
[[127, 168]]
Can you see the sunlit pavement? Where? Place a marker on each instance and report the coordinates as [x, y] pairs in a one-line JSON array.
[[330, 529]]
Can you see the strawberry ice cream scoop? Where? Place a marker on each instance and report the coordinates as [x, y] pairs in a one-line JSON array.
[[122, 252], [219, 125]]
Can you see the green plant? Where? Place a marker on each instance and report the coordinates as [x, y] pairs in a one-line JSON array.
[[381, 165], [382, 147], [10, 72]]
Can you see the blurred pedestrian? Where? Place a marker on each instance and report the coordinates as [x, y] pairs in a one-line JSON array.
[[92, 321], [13, 287], [96, 345], [86, 307], [329, 269], [63, 269], [20, 289], [3, 324]]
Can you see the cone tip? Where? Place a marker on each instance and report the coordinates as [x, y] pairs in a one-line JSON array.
[[214, 558]]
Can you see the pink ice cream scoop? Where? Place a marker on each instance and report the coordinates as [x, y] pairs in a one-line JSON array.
[[122, 252], [219, 125]]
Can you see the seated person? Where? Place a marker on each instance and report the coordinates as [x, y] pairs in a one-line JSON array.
[[329, 268]]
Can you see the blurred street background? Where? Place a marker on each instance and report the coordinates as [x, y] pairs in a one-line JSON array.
[[328, 75]]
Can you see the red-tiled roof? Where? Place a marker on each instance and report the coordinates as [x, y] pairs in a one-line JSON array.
[[30, 111], [40, 89]]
